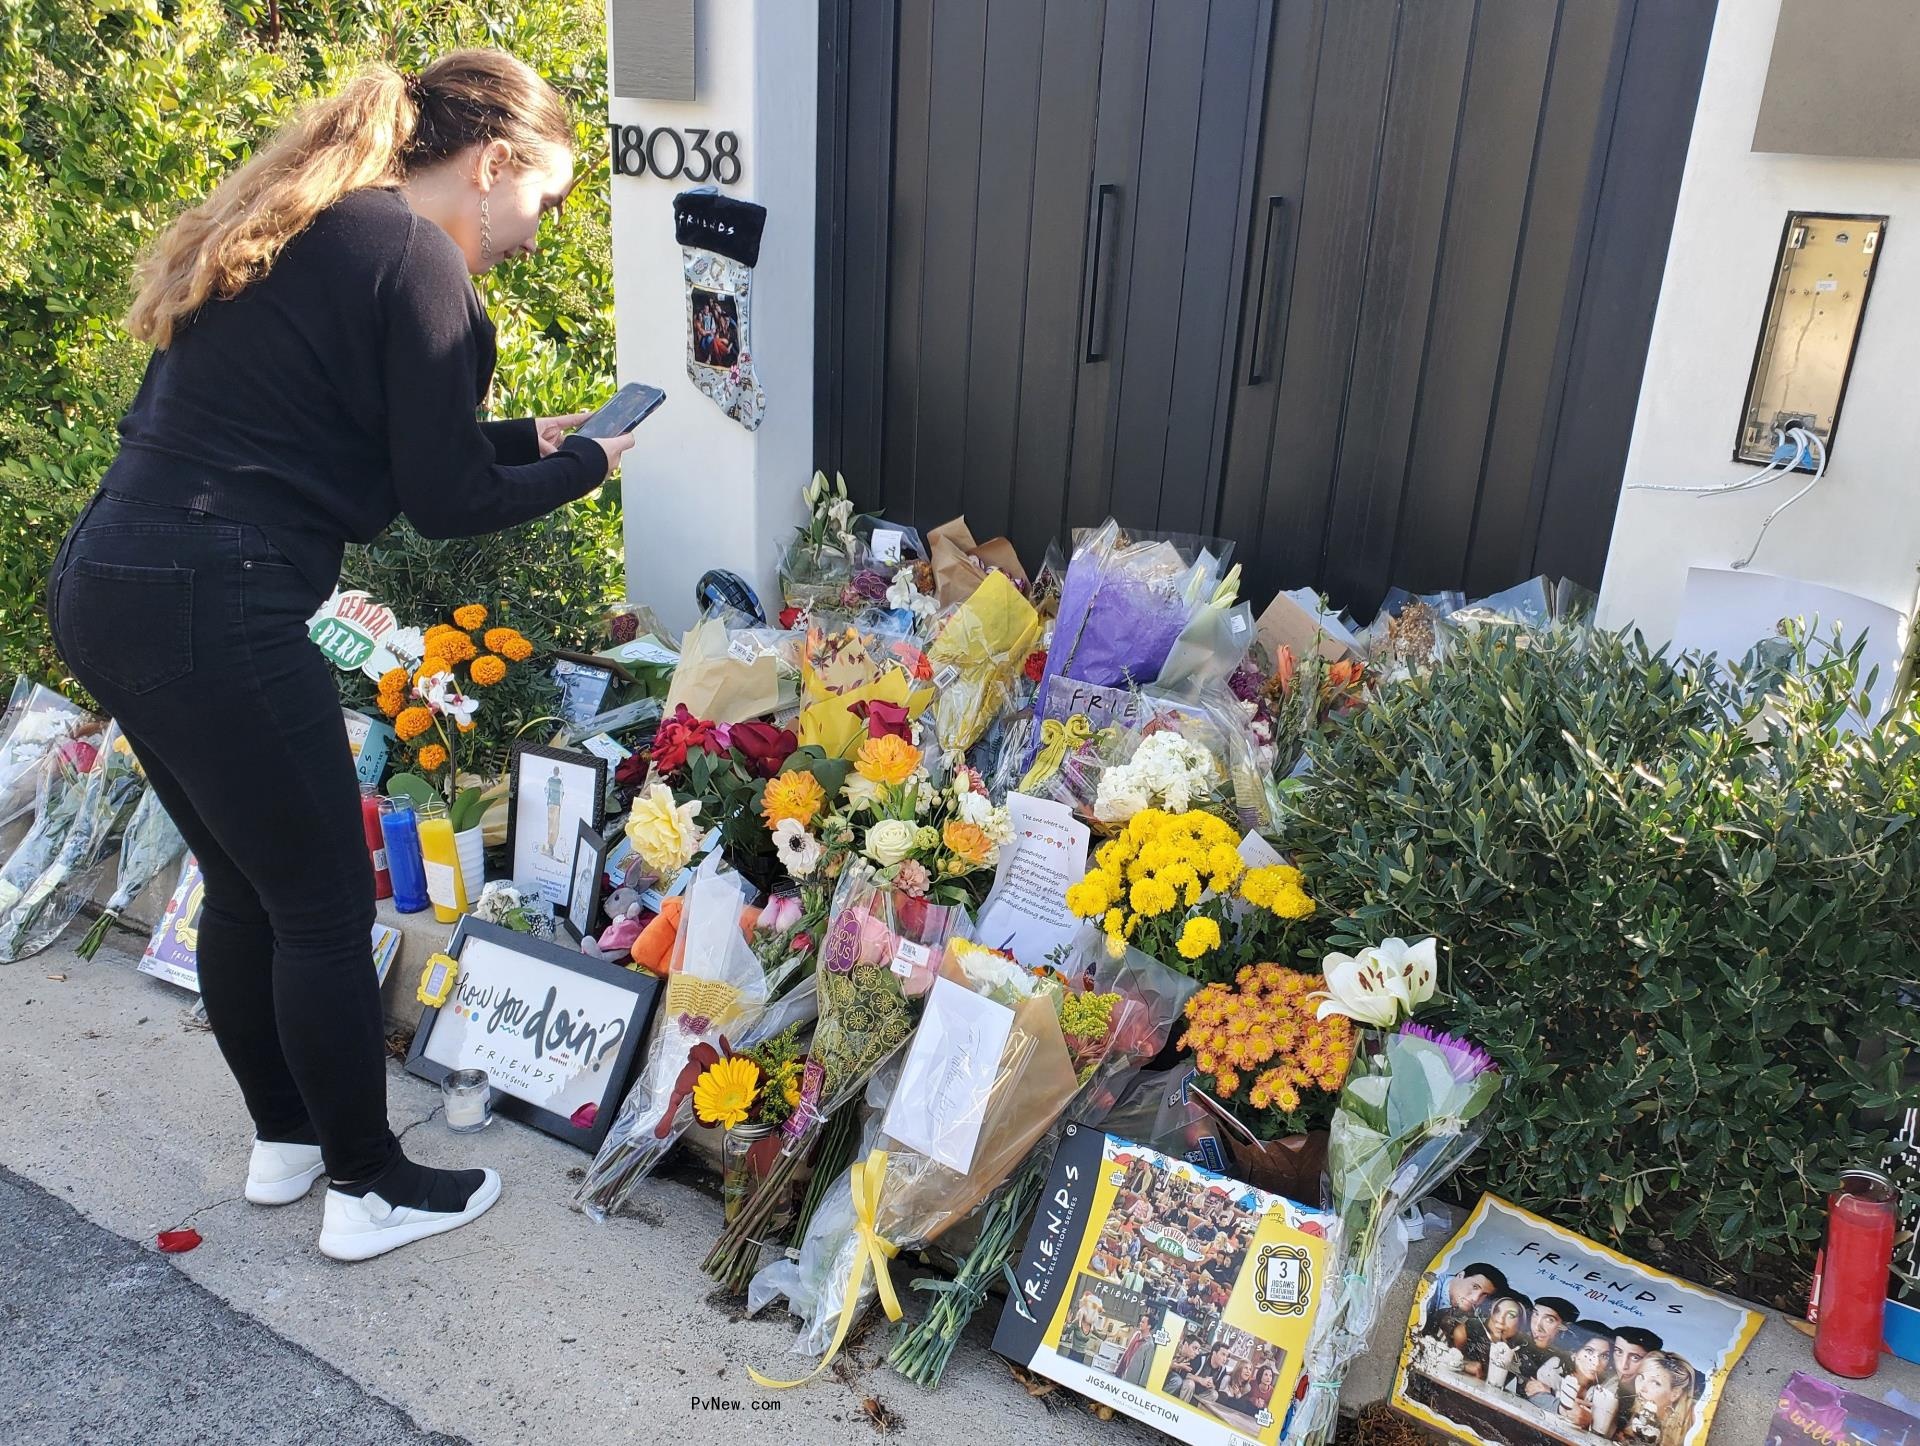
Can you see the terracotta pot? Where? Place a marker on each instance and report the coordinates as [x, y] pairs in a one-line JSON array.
[[1293, 1166]]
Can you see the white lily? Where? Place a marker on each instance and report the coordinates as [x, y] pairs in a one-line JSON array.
[[1381, 985]]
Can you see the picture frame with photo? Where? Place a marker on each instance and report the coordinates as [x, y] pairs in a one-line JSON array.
[[558, 1033], [1523, 1333], [584, 684], [585, 885], [551, 793]]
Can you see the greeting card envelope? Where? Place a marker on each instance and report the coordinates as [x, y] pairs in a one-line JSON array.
[[1816, 1412], [1183, 1298]]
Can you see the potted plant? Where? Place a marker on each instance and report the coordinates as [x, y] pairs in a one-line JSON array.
[[1270, 1071], [458, 657]]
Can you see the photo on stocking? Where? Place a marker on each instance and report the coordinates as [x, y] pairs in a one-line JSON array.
[[716, 329]]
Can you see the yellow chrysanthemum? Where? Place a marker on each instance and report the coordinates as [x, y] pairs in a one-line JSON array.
[[1151, 898], [431, 757], [725, 1092], [473, 615], [488, 670], [1089, 897], [1112, 855], [968, 840], [888, 759], [796, 795], [411, 723]]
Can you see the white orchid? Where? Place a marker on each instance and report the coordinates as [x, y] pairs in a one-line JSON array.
[[443, 695], [1381, 985]]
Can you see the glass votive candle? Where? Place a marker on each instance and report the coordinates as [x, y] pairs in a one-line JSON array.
[[468, 1096]]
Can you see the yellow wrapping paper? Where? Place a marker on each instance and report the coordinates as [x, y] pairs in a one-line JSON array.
[[985, 641], [717, 686], [829, 722]]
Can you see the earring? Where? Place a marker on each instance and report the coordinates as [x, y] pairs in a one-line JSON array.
[[486, 233]]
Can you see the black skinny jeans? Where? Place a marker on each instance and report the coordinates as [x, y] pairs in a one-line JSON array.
[[191, 630]]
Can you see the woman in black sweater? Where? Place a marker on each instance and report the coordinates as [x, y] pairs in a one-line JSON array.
[[319, 359]]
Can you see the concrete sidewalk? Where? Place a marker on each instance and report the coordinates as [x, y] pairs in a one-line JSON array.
[[533, 1324]]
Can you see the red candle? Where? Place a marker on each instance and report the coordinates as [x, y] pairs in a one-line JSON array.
[[1853, 1280], [376, 841]]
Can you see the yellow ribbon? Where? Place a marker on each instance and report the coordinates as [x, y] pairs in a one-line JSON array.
[[1056, 740], [873, 1251]]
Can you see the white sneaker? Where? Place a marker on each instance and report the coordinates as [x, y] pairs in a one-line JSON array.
[[359, 1227], [281, 1174]]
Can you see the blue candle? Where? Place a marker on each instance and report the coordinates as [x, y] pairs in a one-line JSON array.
[[409, 872]]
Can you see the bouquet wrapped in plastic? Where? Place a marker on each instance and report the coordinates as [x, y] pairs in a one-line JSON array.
[[49, 876], [882, 952], [1125, 602], [718, 990], [148, 847], [976, 656], [1414, 1106], [39, 726], [1146, 998]]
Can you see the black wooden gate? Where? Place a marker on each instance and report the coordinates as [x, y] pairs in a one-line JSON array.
[[1363, 285]]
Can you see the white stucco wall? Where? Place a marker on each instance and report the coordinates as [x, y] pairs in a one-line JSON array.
[[700, 490], [1859, 529]]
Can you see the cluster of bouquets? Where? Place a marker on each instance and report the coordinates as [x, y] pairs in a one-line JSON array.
[[78, 814], [1415, 1105], [148, 848], [725, 990], [1147, 998], [882, 951], [976, 654], [39, 730]]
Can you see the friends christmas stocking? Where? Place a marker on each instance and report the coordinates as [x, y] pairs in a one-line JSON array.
[[719, 240]]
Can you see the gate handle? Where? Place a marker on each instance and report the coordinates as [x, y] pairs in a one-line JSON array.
[[1262, 326], [1097, 295]]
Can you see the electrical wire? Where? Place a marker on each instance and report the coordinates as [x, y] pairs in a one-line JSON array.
[[1778, 467], [1819, 470]]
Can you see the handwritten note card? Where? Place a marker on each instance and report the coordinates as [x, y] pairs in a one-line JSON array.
[[1026, 913], [941, 1101]]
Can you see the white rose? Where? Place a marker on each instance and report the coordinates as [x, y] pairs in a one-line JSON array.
[[890, 841]]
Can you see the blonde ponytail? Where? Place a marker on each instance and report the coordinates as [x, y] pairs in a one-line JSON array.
[[378, 129]]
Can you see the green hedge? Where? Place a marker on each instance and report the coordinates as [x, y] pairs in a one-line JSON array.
[[1678, 904], [117, 114]]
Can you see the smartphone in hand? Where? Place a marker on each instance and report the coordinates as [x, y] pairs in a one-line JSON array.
[[627, 409]]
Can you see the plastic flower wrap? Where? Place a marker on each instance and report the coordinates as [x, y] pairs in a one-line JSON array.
[[1414, 1106], [49, 876], [882, 952], [977, 654], [717, 987], [1165, 770], [39, 723], [149, 846], [1124, 604], [844, 675], [1134, 1001]]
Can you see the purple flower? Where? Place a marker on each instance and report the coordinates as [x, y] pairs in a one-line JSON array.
[[870, 585], [1467, 1060], [1246, 682]]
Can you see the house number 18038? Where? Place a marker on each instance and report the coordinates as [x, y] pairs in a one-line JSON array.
[[668, 153]]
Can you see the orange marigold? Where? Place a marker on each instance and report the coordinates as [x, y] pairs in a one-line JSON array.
[[508, 643], [411, 723], [394, 680], [431, 757], [439, 632], [391, 702], [488, 670], [473, 615], [457, 649]]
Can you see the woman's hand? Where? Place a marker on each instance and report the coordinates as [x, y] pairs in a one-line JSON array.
[[615, 448], [553, 430]]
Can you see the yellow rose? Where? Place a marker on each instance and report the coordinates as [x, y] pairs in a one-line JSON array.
[[663, 832]]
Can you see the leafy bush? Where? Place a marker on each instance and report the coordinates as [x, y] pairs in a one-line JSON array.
[[1680, 912], [117, 114]]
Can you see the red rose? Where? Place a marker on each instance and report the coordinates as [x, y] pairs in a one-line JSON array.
[[1036, 665], [788, 617], [762, 747], [884, 718], [680, 735], [631, 771]]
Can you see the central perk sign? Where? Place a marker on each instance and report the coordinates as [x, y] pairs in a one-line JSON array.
[[358, 634]]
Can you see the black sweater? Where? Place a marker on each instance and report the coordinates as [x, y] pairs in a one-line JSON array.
[[340, 390]]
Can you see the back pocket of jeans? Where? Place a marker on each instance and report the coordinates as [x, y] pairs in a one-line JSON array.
[[131, 626]]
